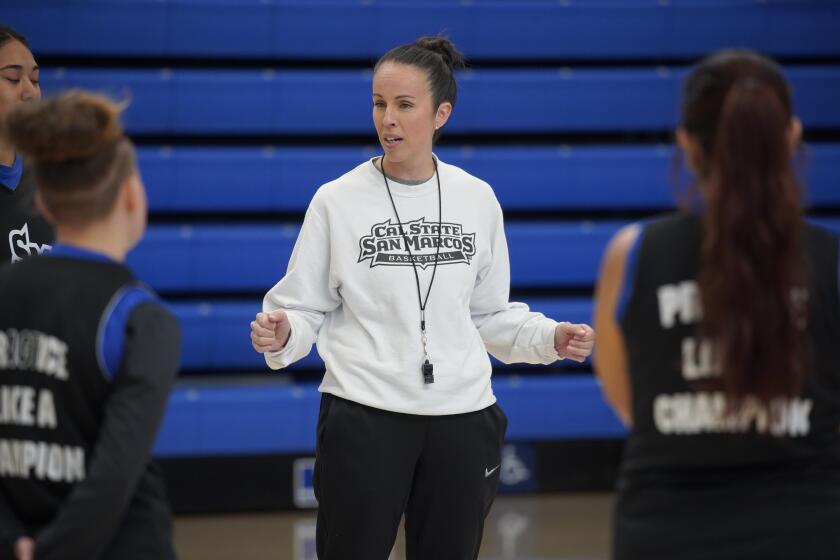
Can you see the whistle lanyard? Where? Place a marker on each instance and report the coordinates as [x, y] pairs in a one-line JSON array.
[[427, 367]]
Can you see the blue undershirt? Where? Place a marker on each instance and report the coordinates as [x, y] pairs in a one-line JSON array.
[[10, 175]]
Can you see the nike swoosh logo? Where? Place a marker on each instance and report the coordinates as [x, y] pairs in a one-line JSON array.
[[487, 473]]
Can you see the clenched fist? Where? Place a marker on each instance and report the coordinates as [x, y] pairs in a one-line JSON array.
[[270, 331], [574, 342]]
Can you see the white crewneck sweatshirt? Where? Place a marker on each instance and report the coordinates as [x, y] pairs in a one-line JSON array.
[[350, 288]]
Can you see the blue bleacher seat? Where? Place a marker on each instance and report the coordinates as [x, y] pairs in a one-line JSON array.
[[259, 417], [238, 258], [362, 29], [216, 333], [201, 179], [308, 102]]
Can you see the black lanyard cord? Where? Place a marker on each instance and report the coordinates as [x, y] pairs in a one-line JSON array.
[[427, 367]]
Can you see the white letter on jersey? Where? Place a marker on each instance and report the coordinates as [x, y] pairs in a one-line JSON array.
[[46, 410], [679, 300]]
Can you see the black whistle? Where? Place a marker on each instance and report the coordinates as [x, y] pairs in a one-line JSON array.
[[428, 372]]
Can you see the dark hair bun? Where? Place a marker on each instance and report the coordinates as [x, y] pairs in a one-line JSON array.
[[444, 47], [76, 125]]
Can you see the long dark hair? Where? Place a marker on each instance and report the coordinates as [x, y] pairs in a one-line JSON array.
[[737, 106]]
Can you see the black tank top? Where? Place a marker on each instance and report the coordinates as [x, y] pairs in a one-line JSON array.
[[87, 358], [675, 425], [54, 387], [696, 483], [23, 230]]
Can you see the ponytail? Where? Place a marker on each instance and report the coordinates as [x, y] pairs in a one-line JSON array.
[[751, 262]]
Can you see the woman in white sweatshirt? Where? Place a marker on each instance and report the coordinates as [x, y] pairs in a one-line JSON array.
[[404, 318]]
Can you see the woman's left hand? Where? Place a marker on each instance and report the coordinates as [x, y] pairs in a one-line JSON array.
[[574, 342]]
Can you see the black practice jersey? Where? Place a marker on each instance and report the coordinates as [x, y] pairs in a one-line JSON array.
[[690, 469], [88, 356], [23, 231]]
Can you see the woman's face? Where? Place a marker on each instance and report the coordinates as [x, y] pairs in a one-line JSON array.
[[403, 112], [19, 77]]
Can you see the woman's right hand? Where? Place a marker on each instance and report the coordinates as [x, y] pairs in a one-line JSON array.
[[270, 331]]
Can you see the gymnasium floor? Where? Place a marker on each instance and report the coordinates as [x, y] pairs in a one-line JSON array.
[[544, 527]]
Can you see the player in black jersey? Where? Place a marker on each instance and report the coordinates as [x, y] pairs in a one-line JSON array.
[[23, 231], [718, 342], [88, 354]]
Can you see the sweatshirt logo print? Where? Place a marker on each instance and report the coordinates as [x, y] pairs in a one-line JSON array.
[[386, 246]]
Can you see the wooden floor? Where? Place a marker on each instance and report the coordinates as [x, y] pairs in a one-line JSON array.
[[545, 527]]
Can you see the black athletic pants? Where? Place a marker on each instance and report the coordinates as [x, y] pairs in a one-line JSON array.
[[372, 466]]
